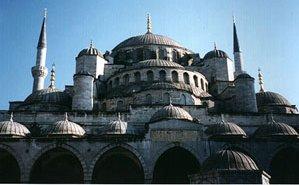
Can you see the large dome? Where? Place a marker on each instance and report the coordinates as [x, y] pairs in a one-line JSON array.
[[148, 39], [271, 98], [171, 112], [229, 160]]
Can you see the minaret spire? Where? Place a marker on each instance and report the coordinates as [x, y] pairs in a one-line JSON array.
[[237, 52], [39, 71], [52, 79], [261, 81], [149, 24]]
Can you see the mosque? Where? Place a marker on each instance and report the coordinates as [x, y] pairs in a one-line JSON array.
[[149, 111]]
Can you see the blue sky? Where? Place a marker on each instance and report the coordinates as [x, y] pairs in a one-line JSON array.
[[267, 30]]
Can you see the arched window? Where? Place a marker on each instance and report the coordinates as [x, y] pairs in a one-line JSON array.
[[183, 99], [207, 87], [186, 78], [162, 76], [150, 76], [195, 80], [166, 98], [161, 54], [174, 55], [137, 77], [116, 82], [120, 105], [139, 54], [148, 99], [126, 79], [175, 76], [202, 84]]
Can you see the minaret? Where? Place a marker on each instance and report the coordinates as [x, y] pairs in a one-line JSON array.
[[39, 71], [237, 53], [261, 81]]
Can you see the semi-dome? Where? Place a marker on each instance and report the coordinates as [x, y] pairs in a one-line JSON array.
[[66, 128], [225, 130], [228, 159], [275, 130], [118, 127], [171, 112], [157, 63], [90, 51], [13, 129], [215, 54], [148, 39]]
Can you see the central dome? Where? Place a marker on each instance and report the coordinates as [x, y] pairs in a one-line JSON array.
[[148, 39]]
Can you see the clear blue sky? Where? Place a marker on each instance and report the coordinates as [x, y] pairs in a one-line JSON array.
[[268, 34]]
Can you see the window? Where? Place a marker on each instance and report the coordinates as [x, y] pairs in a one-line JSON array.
[[183, 99], [137, 77], [150, 76], [195, 80], [162, 76], [139, 54], [186, 78], [207, 87], [126, 79], [174, 55], [120, 105], [148, 99], [175, 76], [166, 98], [202, 84]]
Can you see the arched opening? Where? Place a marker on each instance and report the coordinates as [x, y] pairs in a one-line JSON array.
[[162, 76], [150, 76], [57, 166], [137, 77], [118, 166], [186, 78], [174, 166], [175, 76], [9, 168], [284, 167], [202, 84], [195, 80], [148, 99], [120, 105]]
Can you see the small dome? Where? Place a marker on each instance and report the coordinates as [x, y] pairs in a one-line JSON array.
[[147, 39], [118, 127], [49, 95], [215, 54], [171, 112], [90, 51], [13, 129], [229, 160], [274, 129], [225, 130], [66, 128], [157, 63], [271, 98], [243, 75]]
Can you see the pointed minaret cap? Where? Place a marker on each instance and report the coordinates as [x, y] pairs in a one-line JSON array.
[[261, 80], [42, 41], [149, 24], [236, 41]]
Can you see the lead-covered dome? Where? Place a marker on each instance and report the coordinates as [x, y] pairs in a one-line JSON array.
[[91, 51], [274, 129], [157, 63], [66, 128], [225, 130], [13, 129], [229, 160], [118, 127], [171, 112], [215, 54]]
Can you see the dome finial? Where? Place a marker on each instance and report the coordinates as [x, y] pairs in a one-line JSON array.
[[149, 24], [261, 80], [91, 43], [11, 117], [222, 118], [215, 47], [65, 116], [45, 13], [52, 79], [170, 101], [118, 115]]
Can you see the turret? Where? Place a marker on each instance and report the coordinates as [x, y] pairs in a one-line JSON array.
[[237, 53], [89, 65], [39, 71]]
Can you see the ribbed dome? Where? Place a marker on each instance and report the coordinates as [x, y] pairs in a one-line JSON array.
[[148, 39], [66, 128], [13, 129], [49, 95], [229, 160], [90, 51], [162, 85], [171, 112], [225, 130], [215, 54], [274, 129], [157, 63], [271, 98], [118, 127]]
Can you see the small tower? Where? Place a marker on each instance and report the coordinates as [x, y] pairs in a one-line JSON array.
[[39, 71], [89, 65], [237, 53]]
